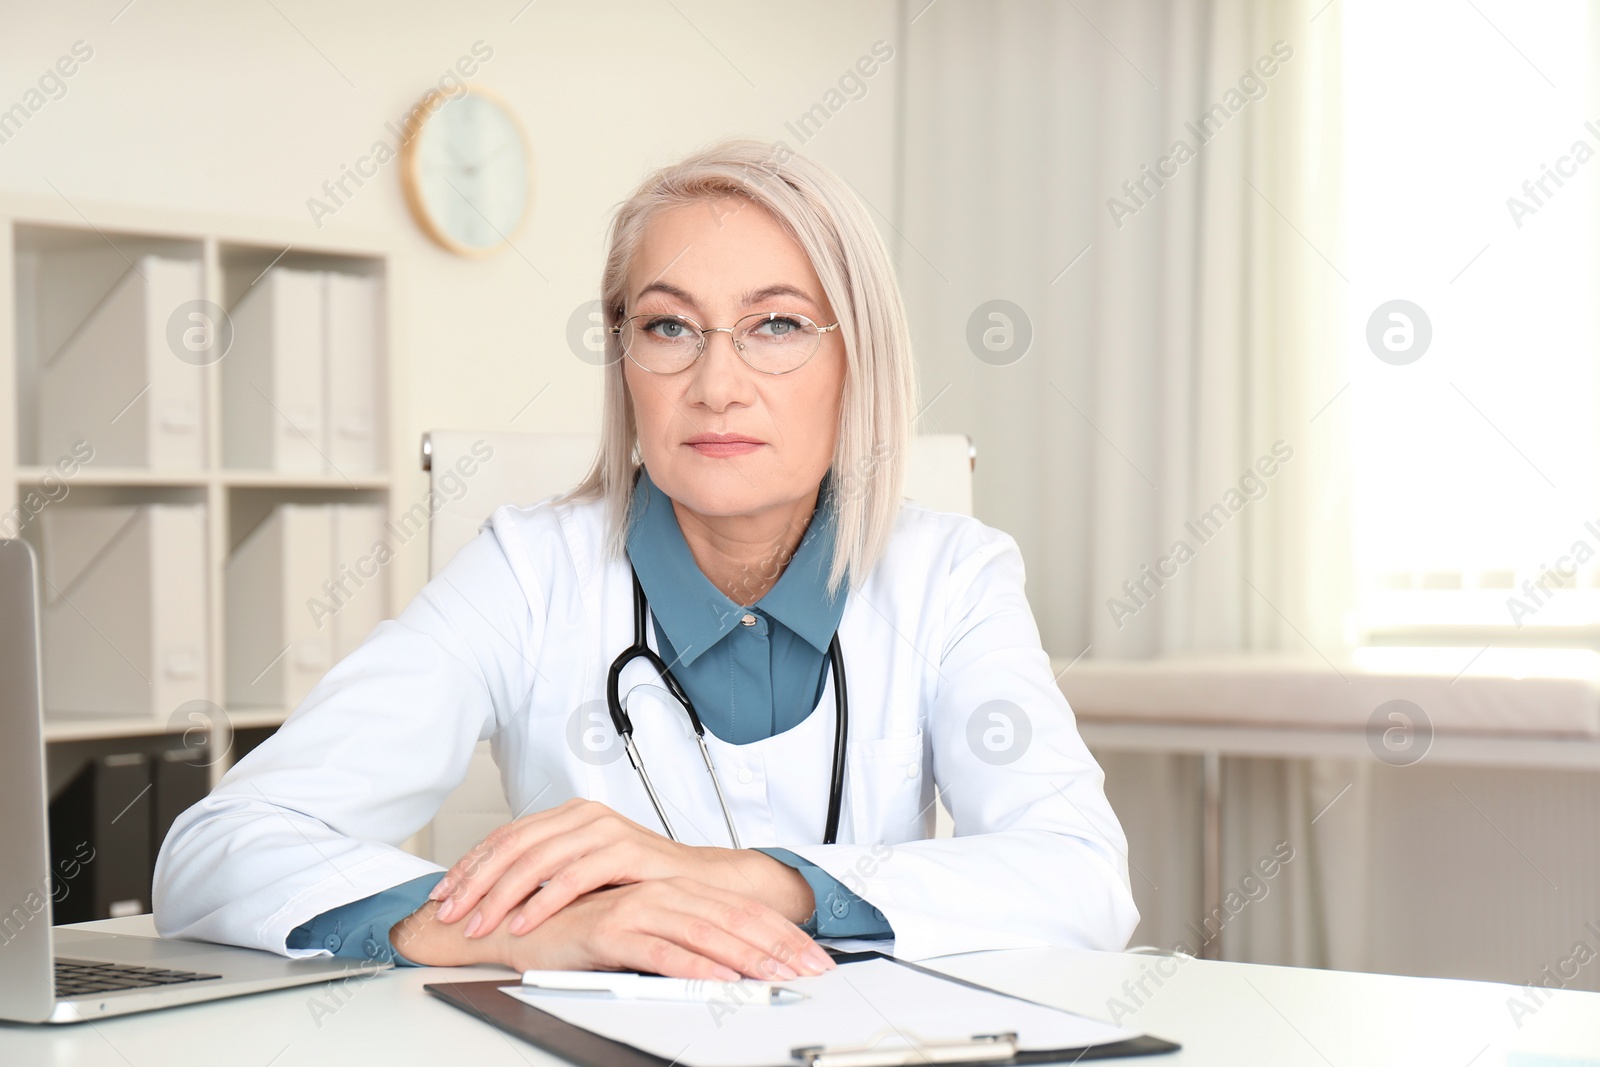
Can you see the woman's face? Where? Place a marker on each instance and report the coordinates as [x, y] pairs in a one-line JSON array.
[[715, 262]]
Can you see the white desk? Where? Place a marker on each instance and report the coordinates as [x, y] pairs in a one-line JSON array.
[[1222, 1013]]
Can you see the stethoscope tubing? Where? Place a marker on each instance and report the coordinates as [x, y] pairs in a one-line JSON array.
[[624, 724], [841, 701]]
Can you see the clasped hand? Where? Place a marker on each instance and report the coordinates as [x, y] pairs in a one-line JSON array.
[[693, 912]]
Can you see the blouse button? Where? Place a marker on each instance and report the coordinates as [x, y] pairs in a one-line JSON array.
[[332, 943], [748, 620], [745, 777]]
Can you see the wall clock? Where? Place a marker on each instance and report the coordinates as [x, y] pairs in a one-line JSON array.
[[467, 171]]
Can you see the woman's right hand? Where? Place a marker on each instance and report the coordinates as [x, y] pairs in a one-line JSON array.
[[676, 927]]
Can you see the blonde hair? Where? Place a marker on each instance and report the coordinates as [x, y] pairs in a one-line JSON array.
[[830, 223]]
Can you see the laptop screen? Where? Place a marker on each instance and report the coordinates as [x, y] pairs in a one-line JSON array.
[[26, 968]]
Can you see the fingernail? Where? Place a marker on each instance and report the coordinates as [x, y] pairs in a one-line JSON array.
[[519, 924], [446, 912], [441, 890], [819, 959], [725, 974], [472, 925], [780, 970]]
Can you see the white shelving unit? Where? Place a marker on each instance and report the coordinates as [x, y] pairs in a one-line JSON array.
[[57, 261]]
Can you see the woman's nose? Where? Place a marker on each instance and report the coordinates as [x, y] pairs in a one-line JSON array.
[[718, 380]]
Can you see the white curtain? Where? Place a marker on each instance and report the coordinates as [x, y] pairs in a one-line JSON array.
[[1180, 334]]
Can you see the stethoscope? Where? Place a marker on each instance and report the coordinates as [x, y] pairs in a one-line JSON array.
[[624, 725]]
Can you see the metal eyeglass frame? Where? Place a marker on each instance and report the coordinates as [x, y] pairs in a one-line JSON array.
[[706, 331]]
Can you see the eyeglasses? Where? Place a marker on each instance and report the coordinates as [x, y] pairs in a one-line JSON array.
[[773, 342]]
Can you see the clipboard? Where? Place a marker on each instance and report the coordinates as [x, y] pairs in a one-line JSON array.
[[589, 1049]]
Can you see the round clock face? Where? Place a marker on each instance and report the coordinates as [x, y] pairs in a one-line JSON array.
[[469, 174]]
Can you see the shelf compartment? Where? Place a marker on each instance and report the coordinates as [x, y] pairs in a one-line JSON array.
[[94, 359], [124, 608], [303, 387]]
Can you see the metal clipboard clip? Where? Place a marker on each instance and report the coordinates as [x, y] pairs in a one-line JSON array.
[[980, 1048]]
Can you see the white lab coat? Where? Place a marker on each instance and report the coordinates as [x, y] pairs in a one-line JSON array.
[[512, 641]]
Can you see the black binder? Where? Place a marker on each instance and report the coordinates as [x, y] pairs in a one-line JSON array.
[[580, 1046], [181, 780], [108, 807]]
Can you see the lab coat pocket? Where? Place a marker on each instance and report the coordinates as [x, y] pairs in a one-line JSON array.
[[886, 779]]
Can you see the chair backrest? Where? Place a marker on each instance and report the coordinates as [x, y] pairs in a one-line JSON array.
[[473, 473]]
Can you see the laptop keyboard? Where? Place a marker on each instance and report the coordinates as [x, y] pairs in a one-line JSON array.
[[76, 978]]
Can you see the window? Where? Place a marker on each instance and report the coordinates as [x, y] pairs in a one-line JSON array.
[[1471, 166]]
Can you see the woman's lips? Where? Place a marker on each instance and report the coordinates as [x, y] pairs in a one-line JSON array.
[[724, 448]]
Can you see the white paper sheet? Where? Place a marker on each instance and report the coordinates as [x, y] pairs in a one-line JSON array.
[[877, 1002]]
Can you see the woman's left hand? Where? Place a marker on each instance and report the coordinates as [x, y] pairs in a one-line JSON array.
[[547, 860]]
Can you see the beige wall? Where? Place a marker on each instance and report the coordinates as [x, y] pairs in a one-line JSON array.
[[247, 109]]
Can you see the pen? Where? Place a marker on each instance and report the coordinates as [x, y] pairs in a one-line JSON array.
[[652, 987]]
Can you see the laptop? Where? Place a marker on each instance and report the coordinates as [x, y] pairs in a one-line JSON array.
[[70, 974]]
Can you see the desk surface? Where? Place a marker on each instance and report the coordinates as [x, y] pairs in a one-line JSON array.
[[1222, 1013]]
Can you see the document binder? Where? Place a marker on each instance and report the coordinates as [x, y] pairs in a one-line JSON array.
[[360, 597], [179, 779], [117, 383], [124, 615], [279, 641], [102, 819], [350, 370], [272, 380], [572, 1042]]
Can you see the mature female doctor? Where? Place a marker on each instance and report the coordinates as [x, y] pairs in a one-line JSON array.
[[846, 651]]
